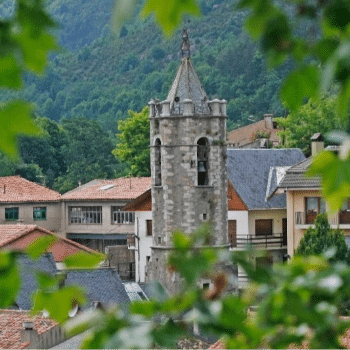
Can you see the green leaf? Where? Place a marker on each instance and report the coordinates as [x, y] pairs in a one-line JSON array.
[[15, 119], [122, 12], [59, 303], [167, 335], [10, 72], [300, 84], [9, 279], [46, 280], [335, 175], [35, 49], [40, 245], [84, 260], [170, 15]]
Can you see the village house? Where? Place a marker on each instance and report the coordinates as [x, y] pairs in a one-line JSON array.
[[305, 202], [19, 236], [92, 215], [28, 202], [261, 134]]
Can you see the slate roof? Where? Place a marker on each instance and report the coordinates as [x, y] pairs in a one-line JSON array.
[[115, 189], [18, 236], [295, 177], [250, 170], [28, 267], [186, 85], [102, 285], [11, 324], [15, 189]]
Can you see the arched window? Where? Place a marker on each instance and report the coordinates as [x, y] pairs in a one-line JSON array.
[[203, 161], [158, 163]]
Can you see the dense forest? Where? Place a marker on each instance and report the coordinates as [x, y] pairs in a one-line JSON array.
[[98, 75]]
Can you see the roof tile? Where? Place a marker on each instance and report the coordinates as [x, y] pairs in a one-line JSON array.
[[17, 189], [122, 188], [11, 324]]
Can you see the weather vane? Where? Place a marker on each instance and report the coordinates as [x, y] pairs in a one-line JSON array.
[[185, 45]]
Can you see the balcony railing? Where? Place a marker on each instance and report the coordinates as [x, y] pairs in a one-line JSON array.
[[267, 241], [302, 218]]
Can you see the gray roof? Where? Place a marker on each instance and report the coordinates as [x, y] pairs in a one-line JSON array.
[[186, 85], [102, 285], [296, 178], [254, 174], [27, 268]]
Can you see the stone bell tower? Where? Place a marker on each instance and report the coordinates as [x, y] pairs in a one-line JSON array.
[[188, 166]]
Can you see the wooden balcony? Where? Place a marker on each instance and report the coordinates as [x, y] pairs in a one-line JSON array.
[[277, 240], [305, 220]]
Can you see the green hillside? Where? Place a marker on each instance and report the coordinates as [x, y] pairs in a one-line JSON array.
[[100, 75]]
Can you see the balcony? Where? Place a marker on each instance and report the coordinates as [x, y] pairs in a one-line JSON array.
[[277, 240], [305, 220]]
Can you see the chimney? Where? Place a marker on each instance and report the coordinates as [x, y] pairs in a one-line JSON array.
[[317, 144], [268, 121], [29, 334]]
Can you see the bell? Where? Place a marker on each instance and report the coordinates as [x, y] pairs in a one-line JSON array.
[[201, 167]]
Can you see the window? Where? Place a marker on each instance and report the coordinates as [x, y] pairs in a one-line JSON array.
[[202, 161], [344, 214], [11, 213], [314, 206], [158, 163], [122, 217], [263, 227], [232, 229], [149, 227], [85, 215], [39, 213]]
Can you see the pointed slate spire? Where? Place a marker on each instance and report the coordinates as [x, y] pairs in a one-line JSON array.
[[186, 85]]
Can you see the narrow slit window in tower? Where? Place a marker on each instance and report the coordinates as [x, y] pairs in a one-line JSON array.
[[158, 164], [202, 161]]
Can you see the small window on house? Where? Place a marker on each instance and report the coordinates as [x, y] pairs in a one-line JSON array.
[[159, 240], [149, 227], [158, 163], [202, 161], [263, 227], [85, 215], [148, 258], [204, 217], [11, 213], [122, 217], [314, 206], [39, 213]]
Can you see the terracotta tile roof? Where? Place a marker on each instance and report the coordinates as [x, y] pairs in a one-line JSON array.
[[17, 189], [245, 134], [19, 236], [11, 324], [122, 188]]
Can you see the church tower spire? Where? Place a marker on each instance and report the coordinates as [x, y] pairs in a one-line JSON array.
[[188, 166]]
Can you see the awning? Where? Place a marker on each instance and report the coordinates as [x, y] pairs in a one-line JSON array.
[[116, 237]]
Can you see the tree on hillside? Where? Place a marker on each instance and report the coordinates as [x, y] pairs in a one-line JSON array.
[[87, 153], [317, 240], [133, 143], [314, 116], [45, 151]]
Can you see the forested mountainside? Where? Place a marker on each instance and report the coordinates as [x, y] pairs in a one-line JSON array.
[[101, 75]]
